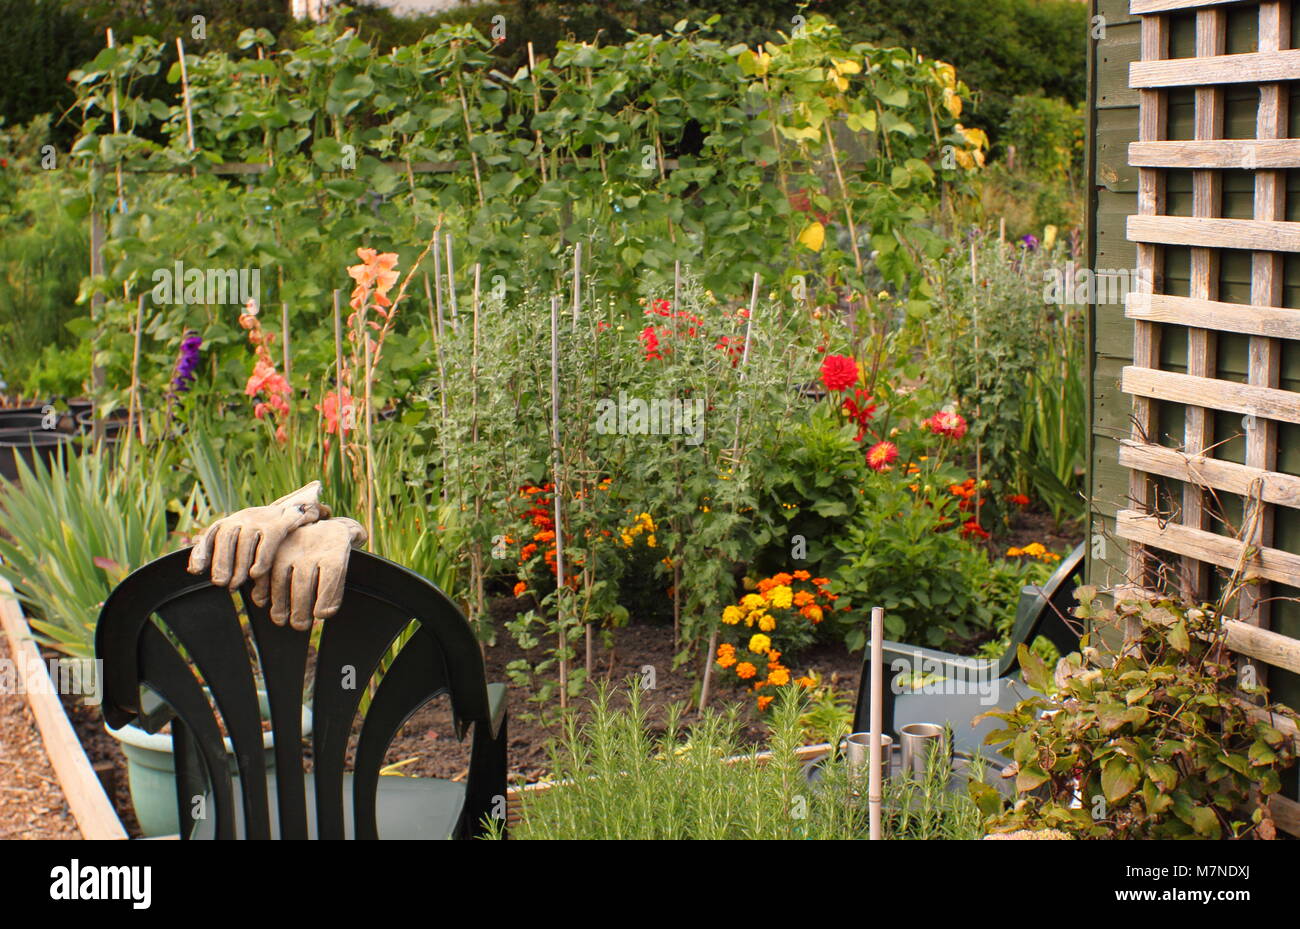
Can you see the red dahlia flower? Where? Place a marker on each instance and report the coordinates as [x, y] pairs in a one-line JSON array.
[[839, 372], [881, 455]]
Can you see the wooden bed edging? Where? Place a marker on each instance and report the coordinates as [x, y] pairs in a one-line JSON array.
[[90, 806]]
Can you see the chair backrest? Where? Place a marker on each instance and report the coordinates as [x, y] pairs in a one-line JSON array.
[[381, 599], [1045, 611]]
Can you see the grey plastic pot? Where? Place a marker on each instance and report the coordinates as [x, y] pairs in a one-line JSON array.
[[151, 770]]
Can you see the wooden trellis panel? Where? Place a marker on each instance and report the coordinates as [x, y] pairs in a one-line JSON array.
[[1190, 527]]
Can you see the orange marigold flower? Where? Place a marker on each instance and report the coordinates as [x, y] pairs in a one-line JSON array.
[[520, 588], [801, 575], [745, 670], [778, 676], [764, 702]]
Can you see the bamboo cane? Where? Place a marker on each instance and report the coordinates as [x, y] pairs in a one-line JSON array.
[[537, 108], [339, 419], [735, 452], [370, 445], [134, 402], [287, 365], [451, 280], [558, 495], [185, 93], [874, 786]]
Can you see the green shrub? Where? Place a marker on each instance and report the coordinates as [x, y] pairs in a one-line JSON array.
[[1156, 740]]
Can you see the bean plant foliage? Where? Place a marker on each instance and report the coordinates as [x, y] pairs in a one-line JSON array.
[[1164, 739], [665, 148]]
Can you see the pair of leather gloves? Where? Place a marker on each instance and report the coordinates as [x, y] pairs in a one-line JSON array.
[[291, 550]]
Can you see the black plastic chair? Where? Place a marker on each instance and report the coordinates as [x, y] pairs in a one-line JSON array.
[[149, 681], [955, 688]]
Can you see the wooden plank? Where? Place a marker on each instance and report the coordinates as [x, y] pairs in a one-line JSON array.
[[1229, 396], [1225, 154], [1273, 322], [1250, 234], [1272, 648], [90, 806], [1202, 345], [1153, 126], [1267, 271], [1246, 68], [1226, 476], [1285, 813], [1231, 554], [1139, 7]]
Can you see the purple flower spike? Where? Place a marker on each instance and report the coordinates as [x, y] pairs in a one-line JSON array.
[[186, 362]]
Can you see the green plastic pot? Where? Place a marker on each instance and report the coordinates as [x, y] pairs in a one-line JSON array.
[[151, 770]]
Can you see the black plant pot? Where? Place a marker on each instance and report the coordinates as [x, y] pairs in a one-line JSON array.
[[113, 423], [29, 445]]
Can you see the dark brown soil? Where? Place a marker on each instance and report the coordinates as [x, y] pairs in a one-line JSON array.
[[427, 744], [106, 757]]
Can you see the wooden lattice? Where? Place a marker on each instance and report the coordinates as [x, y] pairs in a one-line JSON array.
[[1186, 532]]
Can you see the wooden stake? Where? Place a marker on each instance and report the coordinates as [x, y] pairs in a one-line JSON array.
[[287, 355], [370, 445], [874, 786], [185, 93], [577, 283], [340, 420], [537, 108], [134, 402], [117, 128], [735, 452], [451, 280], [558, 495]]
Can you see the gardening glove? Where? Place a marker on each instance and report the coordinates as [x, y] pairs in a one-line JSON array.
[[306, 579], [243, 544]]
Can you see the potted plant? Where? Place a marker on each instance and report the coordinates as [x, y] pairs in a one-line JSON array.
[[151, 768]]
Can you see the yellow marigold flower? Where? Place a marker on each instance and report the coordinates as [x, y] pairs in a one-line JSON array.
[[1035, 548], [759, 643], [745, 670], [650, 540], [627, 540], [752, 602], [782, 597], [1014, 552], [766, 623], [732, 615], [778, 676]]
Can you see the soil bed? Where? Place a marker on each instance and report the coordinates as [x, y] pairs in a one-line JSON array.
[[32, 805]]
